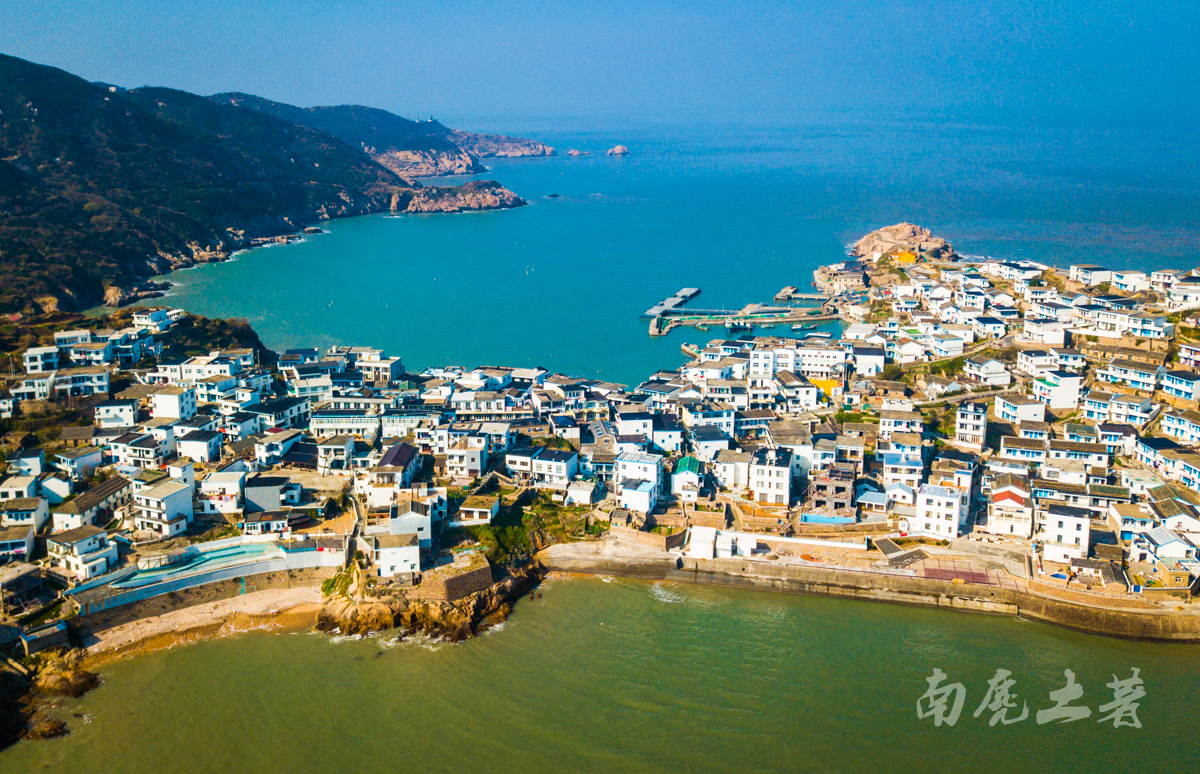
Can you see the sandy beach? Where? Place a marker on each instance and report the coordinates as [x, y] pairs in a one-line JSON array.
[[272, 609]]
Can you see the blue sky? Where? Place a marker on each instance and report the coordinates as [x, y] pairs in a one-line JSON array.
[[475, 63]]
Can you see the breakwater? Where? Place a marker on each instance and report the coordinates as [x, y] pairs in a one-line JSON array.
[[885, 587]]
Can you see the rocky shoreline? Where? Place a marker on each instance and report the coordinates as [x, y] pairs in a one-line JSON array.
[[478, 195], [26, 699], [455, 621], [28, 693]]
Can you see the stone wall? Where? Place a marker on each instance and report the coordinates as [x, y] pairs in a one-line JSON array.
[[649, 539], [454, 581]]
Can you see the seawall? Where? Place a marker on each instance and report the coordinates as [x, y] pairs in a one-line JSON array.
[[882, 587]]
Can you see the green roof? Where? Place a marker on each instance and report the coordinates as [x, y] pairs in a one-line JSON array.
[[688, 465]]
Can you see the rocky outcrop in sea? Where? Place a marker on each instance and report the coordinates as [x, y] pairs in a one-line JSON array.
[[901, 237], [618, 150]]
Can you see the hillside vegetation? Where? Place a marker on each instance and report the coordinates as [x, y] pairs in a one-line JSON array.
[[100, 186]]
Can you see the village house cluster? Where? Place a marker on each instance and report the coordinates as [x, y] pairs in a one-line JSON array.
[[996, 400]]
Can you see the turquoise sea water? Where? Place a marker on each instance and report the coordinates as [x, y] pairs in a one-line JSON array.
[[630, 676], [737, 212]]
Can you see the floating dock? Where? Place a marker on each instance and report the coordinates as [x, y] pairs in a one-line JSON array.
[[671, 312], [670, 303]]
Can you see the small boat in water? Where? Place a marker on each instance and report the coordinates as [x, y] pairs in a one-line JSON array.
[[808, 327], [735, 325]]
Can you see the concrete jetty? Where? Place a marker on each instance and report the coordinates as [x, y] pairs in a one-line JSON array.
[[671, 302]]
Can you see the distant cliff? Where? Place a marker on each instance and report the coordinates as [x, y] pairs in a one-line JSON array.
[[102, 187], [497, 145], [477, 195], [408, 148]]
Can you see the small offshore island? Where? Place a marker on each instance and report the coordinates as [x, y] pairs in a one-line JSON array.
[[989, 436]]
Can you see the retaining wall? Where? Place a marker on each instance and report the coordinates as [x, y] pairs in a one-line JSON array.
[[650, 539], [154, 606]]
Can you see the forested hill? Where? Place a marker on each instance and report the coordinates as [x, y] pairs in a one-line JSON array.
[[408, 148], [100, 187]]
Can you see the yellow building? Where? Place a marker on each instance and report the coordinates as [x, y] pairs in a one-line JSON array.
[[906, 257], [831, 387]]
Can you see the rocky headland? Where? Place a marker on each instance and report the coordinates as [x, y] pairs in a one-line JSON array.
[[427, 163], [476, 195], [901, 237], [499, 146]]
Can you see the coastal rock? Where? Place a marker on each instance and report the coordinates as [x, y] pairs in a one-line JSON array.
[[406, 611], [499, 146], [44, 727], [15, 711], [426, 163], [64, 678], [577, 152], [53, 304], [900, 237], [116, 296], [618, 150], [478, 195]]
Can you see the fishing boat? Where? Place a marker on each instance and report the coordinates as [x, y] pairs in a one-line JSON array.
[[735, 325], [807, 327]]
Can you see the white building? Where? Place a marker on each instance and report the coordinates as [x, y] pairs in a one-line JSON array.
[[393, 554], [221, 493], [987, 371], [687, 480], [1064, 532], [1059, 390], [939, 512], [731, 469], [1019, 408], [970, 425], [174, 402], [899, 422], [201, 445], [1090, 274], [770, 474], [164, 510], [639, 480], [84, 552], [40, 360]]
